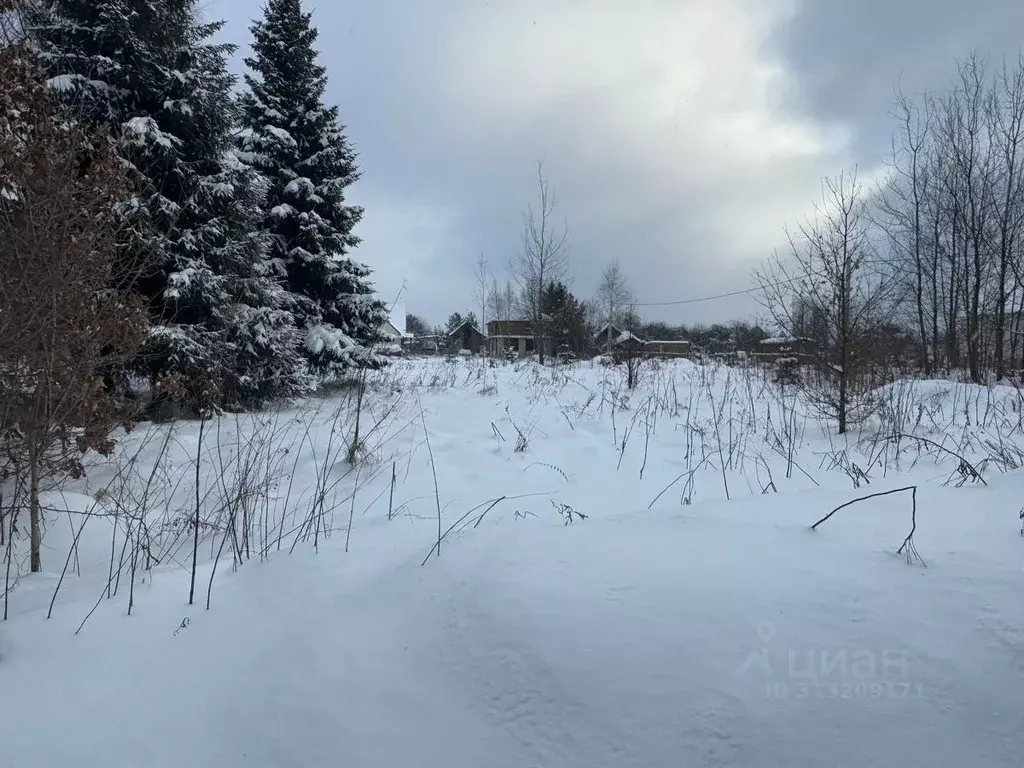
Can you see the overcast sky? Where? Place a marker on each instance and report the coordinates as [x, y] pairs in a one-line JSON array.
[[679, 135]]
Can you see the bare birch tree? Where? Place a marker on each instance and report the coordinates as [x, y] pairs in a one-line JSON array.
[[901, 211], [969, 160], [831, 273], [613, 297], [1007, 137], [502, 301], [481, 292], [544, 257]]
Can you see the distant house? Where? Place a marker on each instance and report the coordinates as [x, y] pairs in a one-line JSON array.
[[513, 335], [466, 337], [667, 348], [391, 333], [628, 343], [393, 329], [601, 337], [785, 346], [628, 340]]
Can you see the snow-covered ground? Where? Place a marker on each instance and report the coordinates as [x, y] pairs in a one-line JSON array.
[[686, 616]]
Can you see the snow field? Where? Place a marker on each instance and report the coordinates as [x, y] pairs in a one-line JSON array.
[[691, 618]]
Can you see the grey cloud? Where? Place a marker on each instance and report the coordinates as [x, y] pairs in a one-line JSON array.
[[848, 56], [682, 157]]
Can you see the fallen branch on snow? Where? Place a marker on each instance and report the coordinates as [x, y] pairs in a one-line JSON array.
[[865, 498], [907, 548]]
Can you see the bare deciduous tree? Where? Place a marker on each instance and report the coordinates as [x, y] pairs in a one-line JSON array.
[[901, 211], [12, 21], [502, 301], [614, 297], [968, 155], [60, 321], [633, 352], [1007, 137], [832, 274], [544, 257], [481, 292]]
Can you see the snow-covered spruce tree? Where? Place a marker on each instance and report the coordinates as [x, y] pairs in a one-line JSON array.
[[257, 329], [298, 144], [146, 73]]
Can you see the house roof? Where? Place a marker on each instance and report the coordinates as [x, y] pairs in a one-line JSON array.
[[397, 318], [604, 330], [390, 329], [501, 327], [778, 340], [462, 325]]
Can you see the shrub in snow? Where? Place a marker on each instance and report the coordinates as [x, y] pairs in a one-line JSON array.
[[787, 371], [61, 325]]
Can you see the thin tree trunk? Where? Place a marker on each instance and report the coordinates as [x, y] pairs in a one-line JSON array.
[[1000, 329], [35, 513], [975, 338], [195, 533], [935, 295], [919, 264], [1017, 329], [922, 330]]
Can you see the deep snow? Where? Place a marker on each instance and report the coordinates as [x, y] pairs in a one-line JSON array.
[[714, 632]]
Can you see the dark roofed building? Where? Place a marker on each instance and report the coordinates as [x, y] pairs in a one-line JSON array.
[[466, 337], [514, 335]]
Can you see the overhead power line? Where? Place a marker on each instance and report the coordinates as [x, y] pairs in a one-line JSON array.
[[719, 296]]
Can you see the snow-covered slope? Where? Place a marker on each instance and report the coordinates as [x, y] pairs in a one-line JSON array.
[[719, 632]]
